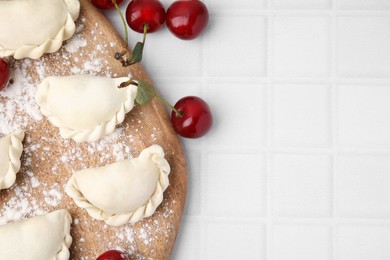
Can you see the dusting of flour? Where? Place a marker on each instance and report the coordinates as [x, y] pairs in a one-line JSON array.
[[20, 106], [19, 110]]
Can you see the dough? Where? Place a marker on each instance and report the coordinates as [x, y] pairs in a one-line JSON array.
[[30, 28], [11, 149], [85, 107], [45, 237], [123, 192]]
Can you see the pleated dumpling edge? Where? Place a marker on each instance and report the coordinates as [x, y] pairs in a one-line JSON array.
[[54, 19], [122, 196], [85, 107], [41, 237], [11, 149]]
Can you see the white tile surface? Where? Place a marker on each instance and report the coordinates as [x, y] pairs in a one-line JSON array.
[[364, 4], [301, 115], [301, 46], [193, 203], [299, 4], [185, 54], [174, 89], [362, 47], [363, 183], [233, 54], [230, 106], [188, 245], [296, 166], [245, 240], [303, 242], [221, 5], [363, 116], [301, 185], [227, 181], [364, 242]]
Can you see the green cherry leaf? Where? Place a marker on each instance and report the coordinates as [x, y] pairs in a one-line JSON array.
[[137, 53], [145, 92]]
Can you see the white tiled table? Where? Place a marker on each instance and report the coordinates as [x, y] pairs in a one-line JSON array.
[[297, 166]]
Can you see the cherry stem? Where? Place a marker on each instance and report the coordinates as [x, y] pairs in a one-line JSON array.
[[178, 113], [146, 28], [127, 83], [123, 21], [128, 61]]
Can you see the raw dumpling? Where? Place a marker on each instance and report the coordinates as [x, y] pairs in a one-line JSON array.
[[123, 192], [11, 149], [45, 237], [85, 107], [30, 28]]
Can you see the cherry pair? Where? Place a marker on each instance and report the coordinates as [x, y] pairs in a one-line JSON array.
[[186, 19]]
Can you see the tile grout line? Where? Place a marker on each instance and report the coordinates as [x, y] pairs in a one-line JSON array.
[[269, 136], [204, 91], [341, 79], [334, 128], [226, 149], [326, 221], [203, 190], [302, 12]]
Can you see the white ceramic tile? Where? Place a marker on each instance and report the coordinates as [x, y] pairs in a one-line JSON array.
[[217, 6], [301, 4], [228, 240], [228, 103], [301, 46], [194, 191], [363, 243], [364, 4], [301, 115], [301, 185], [300, 242], [173, 89], [183, 61], [231, 53], [363, 116], [363, 46], [188, 241], [363, 183], [235, 185]]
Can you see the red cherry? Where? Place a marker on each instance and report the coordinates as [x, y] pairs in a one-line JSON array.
[[186, 19], [141, 12], [105, 4], [196, 118], [4, 74], [113, 255]]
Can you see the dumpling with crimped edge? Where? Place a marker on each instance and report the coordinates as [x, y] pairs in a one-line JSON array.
[[30, 28], [11, 149], [44, 237], [123, 192], [85, 107]]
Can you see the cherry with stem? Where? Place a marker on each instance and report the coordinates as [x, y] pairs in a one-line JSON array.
[[191, 116], [143, 16], [145, 91]]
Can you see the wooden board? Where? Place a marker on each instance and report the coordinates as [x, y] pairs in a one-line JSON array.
[[48, 161]]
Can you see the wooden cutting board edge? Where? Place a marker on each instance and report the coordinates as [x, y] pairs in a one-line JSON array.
[[178, 189]]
